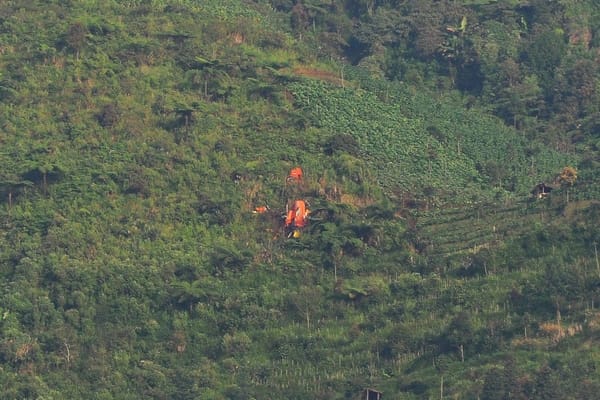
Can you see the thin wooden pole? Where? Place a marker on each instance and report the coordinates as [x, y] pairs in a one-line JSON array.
[[597, 262]]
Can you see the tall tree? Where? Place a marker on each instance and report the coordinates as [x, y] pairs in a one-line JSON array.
[[76, 37]]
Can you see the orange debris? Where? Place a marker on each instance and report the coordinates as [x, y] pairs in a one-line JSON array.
[[295, 174], [297, 216]]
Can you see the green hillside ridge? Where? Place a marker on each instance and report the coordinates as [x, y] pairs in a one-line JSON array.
[[137, 138]]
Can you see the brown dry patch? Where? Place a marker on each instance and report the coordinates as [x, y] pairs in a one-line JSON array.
[[320, 74], [237, 38], [23, 351], [581, 36], [179, 341], [27, 369], [549, 334], [356, 201], [593, 321], [331, 192], [6, 50], [523, 342], [555, 332], [573, 207]]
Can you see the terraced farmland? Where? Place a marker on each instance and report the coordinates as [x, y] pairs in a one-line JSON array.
[[467, 230]]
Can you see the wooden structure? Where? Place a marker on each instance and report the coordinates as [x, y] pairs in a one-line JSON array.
[[541, 190], [371, 394]]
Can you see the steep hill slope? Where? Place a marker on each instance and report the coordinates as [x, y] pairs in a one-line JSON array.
[[136, 140]]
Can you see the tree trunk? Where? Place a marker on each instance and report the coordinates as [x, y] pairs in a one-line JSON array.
[[308, 320]]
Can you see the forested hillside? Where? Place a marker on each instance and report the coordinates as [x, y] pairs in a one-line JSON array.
[[141, 141]]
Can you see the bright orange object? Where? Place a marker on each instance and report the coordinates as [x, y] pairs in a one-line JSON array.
[[297, 216], [295, 174]]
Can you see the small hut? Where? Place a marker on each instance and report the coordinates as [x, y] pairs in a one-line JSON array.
[[371, 394], [541, 190]]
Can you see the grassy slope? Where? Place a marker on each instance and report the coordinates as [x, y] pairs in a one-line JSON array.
[[132, 266]]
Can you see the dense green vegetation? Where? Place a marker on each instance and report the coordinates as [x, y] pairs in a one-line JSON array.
[[137, 137]]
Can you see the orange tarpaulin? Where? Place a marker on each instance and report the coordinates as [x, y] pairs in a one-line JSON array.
[[297, 216], [295, 174]]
